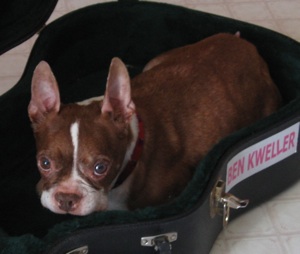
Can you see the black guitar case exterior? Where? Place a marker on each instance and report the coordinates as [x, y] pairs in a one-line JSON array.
[[239, 173]]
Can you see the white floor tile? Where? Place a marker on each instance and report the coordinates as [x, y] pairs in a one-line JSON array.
[[291, 27], [76, 4], [218, 9], [6, 83], [285, 215], [285, 9], [253, 223], [262, 245], [250, 11], [220, 246], [291, 243], [12, 64]]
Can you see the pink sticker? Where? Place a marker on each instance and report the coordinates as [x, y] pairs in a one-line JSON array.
[[262, 155]]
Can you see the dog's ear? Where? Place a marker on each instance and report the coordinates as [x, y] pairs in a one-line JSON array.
[[44, 93], [117, 99]]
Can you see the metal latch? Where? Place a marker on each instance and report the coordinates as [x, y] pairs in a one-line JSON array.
[[221, 202], [80, 250], [161, 243]]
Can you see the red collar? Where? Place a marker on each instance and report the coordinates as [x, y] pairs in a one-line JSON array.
[[137, 152]]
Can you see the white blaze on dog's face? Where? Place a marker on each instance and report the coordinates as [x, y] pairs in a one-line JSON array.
[[81, 147]]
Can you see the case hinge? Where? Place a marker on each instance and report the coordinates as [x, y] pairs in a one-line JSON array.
[[221, 202], [161, 243]]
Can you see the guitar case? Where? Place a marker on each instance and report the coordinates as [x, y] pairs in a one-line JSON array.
[[243, 170]]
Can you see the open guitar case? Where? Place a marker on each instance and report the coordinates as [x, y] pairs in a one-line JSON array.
[[252, 164]]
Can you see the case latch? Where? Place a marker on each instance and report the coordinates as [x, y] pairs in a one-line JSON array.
[[161, 243], [80, 250], [221, 202]]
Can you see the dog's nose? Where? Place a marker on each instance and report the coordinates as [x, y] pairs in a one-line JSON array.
[[67, 201]]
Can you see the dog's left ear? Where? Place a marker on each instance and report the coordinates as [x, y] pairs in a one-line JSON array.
[[44, 93], [117, 99]]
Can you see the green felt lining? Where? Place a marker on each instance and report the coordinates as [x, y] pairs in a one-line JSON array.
[[79, 47]]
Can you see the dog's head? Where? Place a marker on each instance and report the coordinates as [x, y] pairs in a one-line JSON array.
[[81, 148]]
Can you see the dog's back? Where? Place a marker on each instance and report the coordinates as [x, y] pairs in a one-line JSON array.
[[189, 99]]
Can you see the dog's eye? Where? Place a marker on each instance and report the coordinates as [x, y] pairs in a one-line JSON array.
[[100, 168], [45, 163]]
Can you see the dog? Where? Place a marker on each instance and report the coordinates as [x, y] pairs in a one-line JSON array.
[[160, 124]]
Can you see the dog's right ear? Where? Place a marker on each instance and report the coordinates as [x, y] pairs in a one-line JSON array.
[[44, 93]]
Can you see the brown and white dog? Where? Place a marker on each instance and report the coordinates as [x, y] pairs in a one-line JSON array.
[[183, 103]]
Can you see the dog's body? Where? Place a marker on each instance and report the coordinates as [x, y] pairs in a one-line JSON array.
[[187, 100]]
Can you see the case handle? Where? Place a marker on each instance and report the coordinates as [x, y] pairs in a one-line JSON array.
[[161, 243]]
